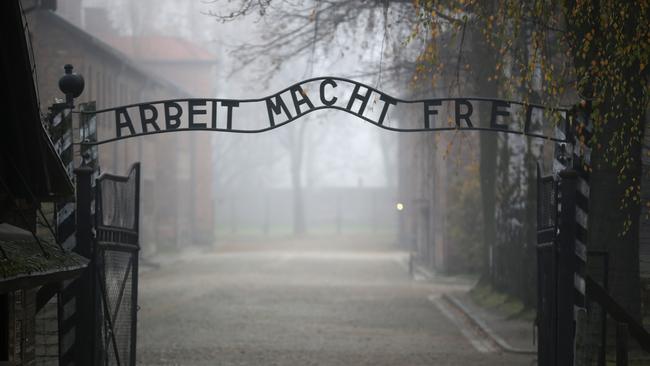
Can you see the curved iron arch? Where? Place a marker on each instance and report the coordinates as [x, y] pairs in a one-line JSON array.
[[561, 137]]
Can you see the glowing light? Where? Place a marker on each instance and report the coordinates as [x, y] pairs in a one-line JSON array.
[[399, 206]]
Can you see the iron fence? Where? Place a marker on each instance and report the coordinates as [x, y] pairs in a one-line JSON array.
[[116, 261]]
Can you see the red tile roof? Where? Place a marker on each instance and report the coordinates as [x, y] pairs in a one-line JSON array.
[[160, 48]]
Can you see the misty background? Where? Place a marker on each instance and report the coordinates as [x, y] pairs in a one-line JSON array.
[[328, 173]]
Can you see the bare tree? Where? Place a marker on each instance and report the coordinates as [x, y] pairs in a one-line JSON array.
[[309, 29]]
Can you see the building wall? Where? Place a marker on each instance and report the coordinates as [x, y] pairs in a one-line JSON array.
[[46, 336], [22, 305], [198, 78], [430, 165], [112, 80], [33, 337], [195, 219]]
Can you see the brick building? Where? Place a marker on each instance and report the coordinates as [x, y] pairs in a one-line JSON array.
[[32, 175], [170, 212], [194, 70]]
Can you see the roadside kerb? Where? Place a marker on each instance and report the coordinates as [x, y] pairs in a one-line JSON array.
[[484, 328]]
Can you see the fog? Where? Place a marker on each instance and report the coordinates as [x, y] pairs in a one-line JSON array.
[[329, 211], [340, 169], [324, 182], [326, 173]]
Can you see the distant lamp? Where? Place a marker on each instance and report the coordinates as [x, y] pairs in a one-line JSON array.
[[71, 84], [399, 206]]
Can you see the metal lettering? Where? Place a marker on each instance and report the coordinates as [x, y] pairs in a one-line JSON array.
[[387, 101], [214, 114], [496, 112], [175, 118], [465, 115], [192, 104], [144, 121], [278, 107], [356, 96], [279, 112], [430, 112], [119, 124], [304, 99], [327, 102], [230, 104]]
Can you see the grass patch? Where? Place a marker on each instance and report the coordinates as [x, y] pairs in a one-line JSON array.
[[486, 296], [509, 306]]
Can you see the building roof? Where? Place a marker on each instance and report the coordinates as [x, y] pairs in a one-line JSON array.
[[24, 262], [29, 165], [160, 49], [111, 52]]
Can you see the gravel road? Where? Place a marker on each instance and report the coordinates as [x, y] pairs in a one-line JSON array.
[[300, 305]]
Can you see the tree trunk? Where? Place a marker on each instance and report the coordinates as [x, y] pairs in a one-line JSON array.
[[483, 66]]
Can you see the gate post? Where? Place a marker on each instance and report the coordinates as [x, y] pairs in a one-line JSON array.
[[566, 269], [86, 305]]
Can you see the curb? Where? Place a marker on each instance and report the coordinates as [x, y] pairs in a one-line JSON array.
[[500, 342], [422, 271]]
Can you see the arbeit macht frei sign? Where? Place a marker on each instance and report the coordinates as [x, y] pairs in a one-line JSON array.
[[360, 100]]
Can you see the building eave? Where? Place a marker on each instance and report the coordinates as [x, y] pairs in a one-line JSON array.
[[108, 50]]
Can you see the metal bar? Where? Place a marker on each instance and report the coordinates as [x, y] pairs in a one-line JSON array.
[[616, 311], [122, 247], [118, 303], [322, 78], [604, 310], [85, 326], [120, 240], [379, 122], [366, 119], [602, 357], [621, 344], [135, 268], [546, 269], [121, 178], [136, 168], [134, 306], [107, 316], [566, 269]]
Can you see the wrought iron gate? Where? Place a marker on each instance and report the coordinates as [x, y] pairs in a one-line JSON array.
[[546, 268], [558, 271], [116, 262]]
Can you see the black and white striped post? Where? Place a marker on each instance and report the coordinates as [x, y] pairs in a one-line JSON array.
[[65, 230], [566, 269], [571, 171], [61, 133], [74, 231], [582, 134]]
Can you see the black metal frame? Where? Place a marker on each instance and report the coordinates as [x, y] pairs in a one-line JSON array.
[[546, 320], [117, 239], [330, 80], [603, 316], [555, 253], [556, 272]]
